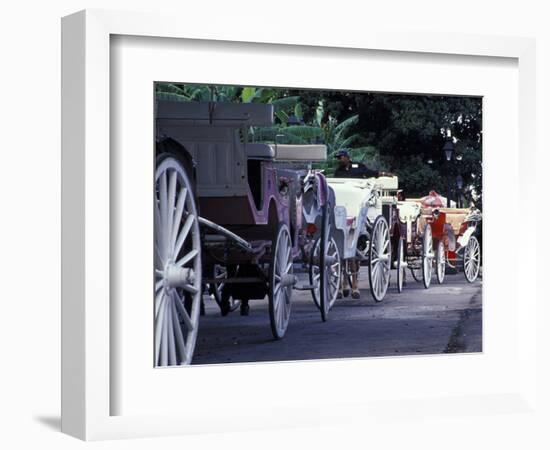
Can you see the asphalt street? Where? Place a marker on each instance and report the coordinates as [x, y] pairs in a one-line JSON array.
[[445, 318]]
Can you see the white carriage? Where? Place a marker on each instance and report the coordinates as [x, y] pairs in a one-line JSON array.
[[360, 229]]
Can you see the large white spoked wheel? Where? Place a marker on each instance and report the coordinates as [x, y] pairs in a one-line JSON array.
[[215, 289], [177, 265], [379, 259], [400, 264], [281, 282], [427, 256], [333, 279], [440, 262], [472, 259]]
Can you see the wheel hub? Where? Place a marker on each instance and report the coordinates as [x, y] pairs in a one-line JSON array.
[[175, 276], [330, 260], [384, 258], [288, 280]]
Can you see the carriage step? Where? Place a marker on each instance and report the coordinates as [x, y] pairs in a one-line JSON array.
[[305, 287]]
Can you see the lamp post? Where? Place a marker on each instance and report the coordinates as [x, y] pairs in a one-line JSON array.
[[448, 152], [459, 185]]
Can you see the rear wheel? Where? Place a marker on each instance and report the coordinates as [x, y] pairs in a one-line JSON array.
[[178, 278], [281, 282], [379, 259], [472, 259]]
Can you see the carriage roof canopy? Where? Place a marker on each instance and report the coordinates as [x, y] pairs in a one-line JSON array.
[[215, 113]]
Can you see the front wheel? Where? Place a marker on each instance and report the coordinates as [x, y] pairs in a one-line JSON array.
[[472, 259], [440, 262], [333, 264], [400, 264], [379, 259], [281, 282], [427, 256], [178, 277]]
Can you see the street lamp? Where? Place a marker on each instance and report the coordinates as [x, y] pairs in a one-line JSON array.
[[459, 185], [448, 151]]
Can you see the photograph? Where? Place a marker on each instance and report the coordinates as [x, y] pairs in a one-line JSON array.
[[295, 224]]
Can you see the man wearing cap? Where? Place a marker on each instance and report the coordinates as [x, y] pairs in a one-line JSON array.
[[349, 169]]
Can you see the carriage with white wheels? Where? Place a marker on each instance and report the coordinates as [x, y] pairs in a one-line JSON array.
[[448, 239], [232, 219], [360, 233], [411, 235], [456, 233]]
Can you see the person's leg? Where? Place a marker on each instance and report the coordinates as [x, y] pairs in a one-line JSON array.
[[355, 280], [344, 285], [245, 308]]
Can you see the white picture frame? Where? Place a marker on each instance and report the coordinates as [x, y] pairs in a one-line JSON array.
[[87, 320]]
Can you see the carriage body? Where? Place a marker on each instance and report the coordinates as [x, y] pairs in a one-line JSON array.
[[361, 230], [458, 231], [259, 208], [246, 188]]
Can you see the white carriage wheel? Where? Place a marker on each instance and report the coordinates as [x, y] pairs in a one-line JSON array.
[[379, 259], [440, 262], [334, 277], [281, 282], [427, 256], [400, 264], [177, 265], [472, 259]]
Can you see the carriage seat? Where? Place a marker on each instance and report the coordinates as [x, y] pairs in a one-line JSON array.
[[455, 217], [386, 183], [300, 152], [351, 193], [408, 211], [259, 151]]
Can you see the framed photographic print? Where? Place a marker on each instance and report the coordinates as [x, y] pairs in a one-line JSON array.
[[255, 226]]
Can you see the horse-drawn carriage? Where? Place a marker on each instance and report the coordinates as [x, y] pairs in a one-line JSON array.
[[233, 216], [427, 236], [361, 232], [456, 244]]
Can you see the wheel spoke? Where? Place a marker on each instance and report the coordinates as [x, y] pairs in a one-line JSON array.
[[163, 197], [189, 288], [164, 334], [159, 322], [159, 300], [158, 285], [183, 234], [178, 215], [288, 267], [187, 258], [183, 312], [171, 343], [171, 200], [180, 341]]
